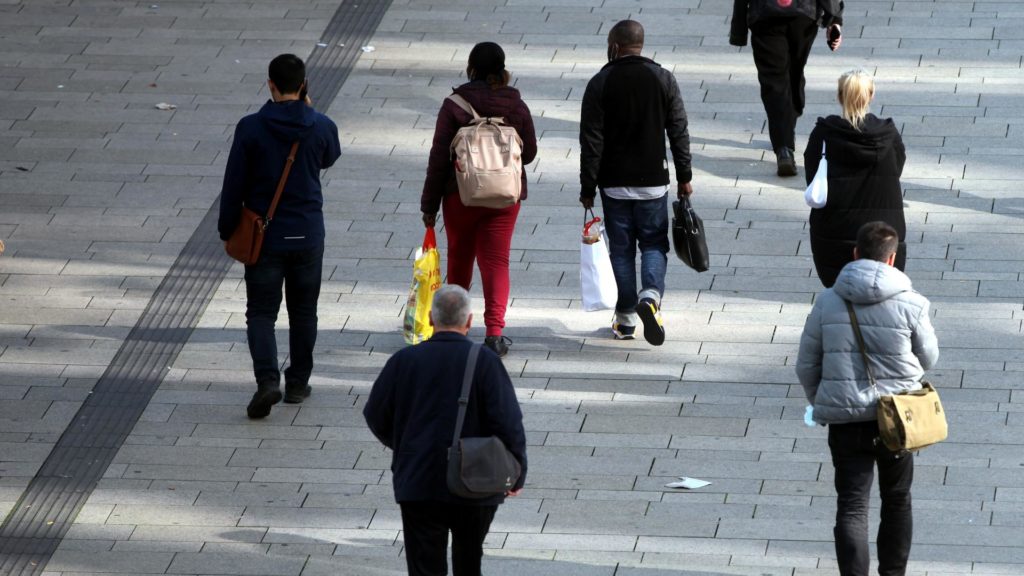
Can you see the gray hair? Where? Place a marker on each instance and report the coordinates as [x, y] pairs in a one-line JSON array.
[[451, 307]]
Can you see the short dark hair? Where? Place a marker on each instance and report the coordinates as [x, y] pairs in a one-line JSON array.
[[287, 72], [487, 63], [877, 241], [627, 33]]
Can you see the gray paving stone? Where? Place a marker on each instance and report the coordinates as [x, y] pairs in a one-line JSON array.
[[306, 517], [288, 458], [175, 515], [226, 563], [99, 562]]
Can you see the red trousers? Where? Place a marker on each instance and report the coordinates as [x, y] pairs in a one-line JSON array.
[[483, 234]]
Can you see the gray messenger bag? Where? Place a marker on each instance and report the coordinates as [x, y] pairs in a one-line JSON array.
[[478, 467]]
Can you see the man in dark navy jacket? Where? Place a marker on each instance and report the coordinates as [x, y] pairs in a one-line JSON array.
[[293, 248], [412, 409]]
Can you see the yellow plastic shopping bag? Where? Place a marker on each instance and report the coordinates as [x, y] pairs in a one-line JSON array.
[[426, 279]]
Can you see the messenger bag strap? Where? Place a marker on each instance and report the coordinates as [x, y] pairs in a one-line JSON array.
[[467, 383], [860, 343], [280, 184]]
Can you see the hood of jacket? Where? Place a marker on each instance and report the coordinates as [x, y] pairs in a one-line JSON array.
[[287, 121], [489, 101], [861, 147], [868, 281]]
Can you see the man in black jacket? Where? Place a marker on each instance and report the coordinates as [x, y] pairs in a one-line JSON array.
[[412, 409], [781, 34], [628, 107]]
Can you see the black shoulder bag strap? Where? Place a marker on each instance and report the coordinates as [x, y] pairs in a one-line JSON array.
[[860, 344], [467, 383]]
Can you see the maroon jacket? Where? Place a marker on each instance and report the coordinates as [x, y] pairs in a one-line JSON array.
[[504, 102]]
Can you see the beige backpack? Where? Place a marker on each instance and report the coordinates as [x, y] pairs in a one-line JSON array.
[[488, 157]]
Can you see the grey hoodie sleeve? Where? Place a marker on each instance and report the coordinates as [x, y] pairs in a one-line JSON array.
[[808, 360], [923, 340]]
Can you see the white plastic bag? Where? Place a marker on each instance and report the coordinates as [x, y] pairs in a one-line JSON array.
[[597, 280], [816, 194]]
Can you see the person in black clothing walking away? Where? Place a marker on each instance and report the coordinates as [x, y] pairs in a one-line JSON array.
[[865, 160], [293, 248], [781, 34], [628, 107], [412, 409]]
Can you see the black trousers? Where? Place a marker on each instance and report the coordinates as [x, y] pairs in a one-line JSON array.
[[830, 256], [781, 48], [426, 525], [298, 273], [854, 456]]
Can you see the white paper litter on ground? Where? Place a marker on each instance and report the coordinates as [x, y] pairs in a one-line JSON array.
[[166, 106], [368, 48], [688, 483]]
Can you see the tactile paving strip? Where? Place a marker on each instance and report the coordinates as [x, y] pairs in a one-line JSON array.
[[33, 530]]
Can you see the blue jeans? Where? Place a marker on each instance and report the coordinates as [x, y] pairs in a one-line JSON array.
[[298, 272], [630, 223]]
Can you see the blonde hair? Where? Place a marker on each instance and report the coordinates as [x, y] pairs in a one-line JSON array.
[[856, 88]]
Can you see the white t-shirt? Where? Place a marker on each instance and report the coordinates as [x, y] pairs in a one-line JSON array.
[[636, 192]]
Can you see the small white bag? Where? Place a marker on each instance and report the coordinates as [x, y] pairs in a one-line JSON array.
[[816, 194], [597, 281]]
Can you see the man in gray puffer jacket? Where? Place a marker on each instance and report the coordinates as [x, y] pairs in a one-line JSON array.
[[901, 345]]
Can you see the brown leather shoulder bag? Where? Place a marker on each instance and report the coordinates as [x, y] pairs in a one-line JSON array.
[[247, 239]]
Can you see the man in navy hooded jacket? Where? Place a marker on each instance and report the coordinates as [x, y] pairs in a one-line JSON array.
[[293, 248]]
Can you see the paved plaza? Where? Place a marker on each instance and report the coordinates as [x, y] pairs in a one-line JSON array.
[[100, 191]]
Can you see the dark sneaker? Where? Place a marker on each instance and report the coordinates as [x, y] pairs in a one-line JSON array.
[[623, 332], [262, 400], [297, 393], [786, 162], [498, 344], [650, 315]]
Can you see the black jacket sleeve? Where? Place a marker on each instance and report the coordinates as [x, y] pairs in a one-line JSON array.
[[379, 410], [901, 154], [591, 136], [232, 193], [502, 414], [676, 128], [738, 27], [812, 154], [831, 12]]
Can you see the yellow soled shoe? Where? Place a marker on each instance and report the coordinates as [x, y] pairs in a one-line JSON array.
[[623, 332], [650, 315]]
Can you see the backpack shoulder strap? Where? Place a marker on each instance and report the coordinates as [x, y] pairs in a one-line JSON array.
[[464, 104]]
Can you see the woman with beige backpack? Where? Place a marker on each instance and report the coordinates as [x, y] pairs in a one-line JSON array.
[[479, 231]]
